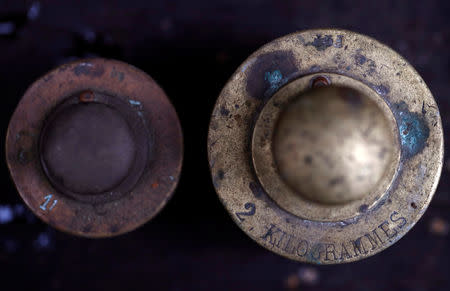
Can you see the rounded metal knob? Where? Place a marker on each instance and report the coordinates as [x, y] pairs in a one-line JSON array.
[[333, 145], [325, 146]]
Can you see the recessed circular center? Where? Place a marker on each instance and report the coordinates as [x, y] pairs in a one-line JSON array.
[[88, 148], [332, 145]]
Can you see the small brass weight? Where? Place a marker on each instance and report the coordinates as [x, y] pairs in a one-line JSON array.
[[325, 146], [95, 148]]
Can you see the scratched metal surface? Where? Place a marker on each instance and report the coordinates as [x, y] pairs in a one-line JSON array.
[[191, 48]]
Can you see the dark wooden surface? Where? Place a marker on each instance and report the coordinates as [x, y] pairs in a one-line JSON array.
[[191, 48]]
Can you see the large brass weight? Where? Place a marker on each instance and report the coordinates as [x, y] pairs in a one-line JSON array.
[[325, 146]]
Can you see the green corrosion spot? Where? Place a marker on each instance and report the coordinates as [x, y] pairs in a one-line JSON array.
[[413, 132], [275, 80]]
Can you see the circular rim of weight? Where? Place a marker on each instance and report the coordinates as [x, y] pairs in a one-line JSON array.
[[325, 51], [156, 184]]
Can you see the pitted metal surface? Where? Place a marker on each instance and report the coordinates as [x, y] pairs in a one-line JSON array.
[[245, 164], [95, 148]]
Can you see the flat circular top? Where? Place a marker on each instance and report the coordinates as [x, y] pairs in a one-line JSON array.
[[330, 145], [95, 148], [246, 175], [88, 148]]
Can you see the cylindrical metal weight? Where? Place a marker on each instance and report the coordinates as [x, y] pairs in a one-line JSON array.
[[95, 148], [325, 146]]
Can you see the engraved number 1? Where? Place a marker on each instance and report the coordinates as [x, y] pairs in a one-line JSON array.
[[44, 205]]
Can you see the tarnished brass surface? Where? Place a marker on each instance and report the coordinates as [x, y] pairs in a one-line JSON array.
[[333, 145], [325, 146], [327, 154], [95, 148]]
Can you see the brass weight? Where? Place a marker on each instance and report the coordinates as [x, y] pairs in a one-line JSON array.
[[95, 148], [325, 146]]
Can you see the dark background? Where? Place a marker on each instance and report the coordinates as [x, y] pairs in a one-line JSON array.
[[191, 48]]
